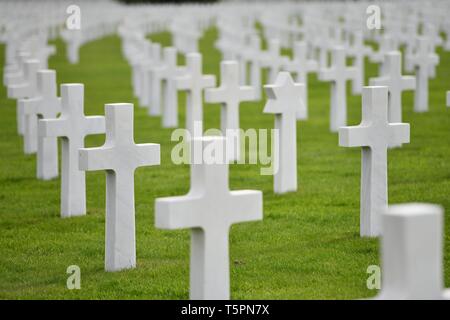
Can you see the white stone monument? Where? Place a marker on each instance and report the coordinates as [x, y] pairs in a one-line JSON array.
[[411, 253], [358, 50], [230, 94], [396, 84], [46, 106], [423, 61], [338, 74], [73, 126], [120, 157], [301, 66], [26, 89], [284, 97], [165, 75], [374, 135], [194, 82], [209, 210]]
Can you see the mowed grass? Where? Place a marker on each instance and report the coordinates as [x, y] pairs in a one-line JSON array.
[[306, 247]]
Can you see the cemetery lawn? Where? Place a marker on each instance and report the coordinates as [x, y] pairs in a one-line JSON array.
[[306, 247]]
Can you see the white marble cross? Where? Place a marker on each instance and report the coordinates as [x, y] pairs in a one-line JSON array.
[[15, 75], [151, 88], [230, 94], [251, 54], [26, 89], [209, 210], [338, 74], [46, 106], [359, 51], [284, 97], [166, 74], [396, 84], [448, 98], [194, 82], [423, 60], [387, 44], [120, 156], [301, 66], [73, 126], [411, 253], [273, 60], [374, 135], [148, 88]]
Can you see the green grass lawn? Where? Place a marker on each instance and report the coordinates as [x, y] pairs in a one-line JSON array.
[[307, 246]]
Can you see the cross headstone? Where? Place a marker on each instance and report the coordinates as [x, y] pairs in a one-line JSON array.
[[411, 253], [209, 210], [73, 126], [194, 82], [338, 74], [358, 51], [396, 84], [423, 61], [16, 75], [230, 94], [387, 44], [26, 89], [150, 88], [252, 54], [374, 135], [284, 99], [448, 98], [273, 60], [46, 106], [120, 156], [166, 74], [301, 66]]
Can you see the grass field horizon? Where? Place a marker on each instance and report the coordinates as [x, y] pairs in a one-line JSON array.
[[306, 247]]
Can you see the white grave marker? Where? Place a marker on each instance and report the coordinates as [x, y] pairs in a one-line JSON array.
[[46, 106], [423, 61], [194, 82], [209, 210], [120, 157], [301, 66], [73, 126], [396, 84], [374, 135], [411, 253], [284, 99], [338, 74], [230, 94], [166, 74], [26, 89]]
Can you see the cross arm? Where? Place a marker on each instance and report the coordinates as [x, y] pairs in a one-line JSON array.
[[208, 81], [95, 125], [177, 212], [327, 74], [18, 91], [93, 159], [248, 206], [52, 127], [29, 106], [147, 154], [246, 93], [379, 81], [183, 82], [408, 83], [216, 95], [399, 133], [312, 65], [353, 136]]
